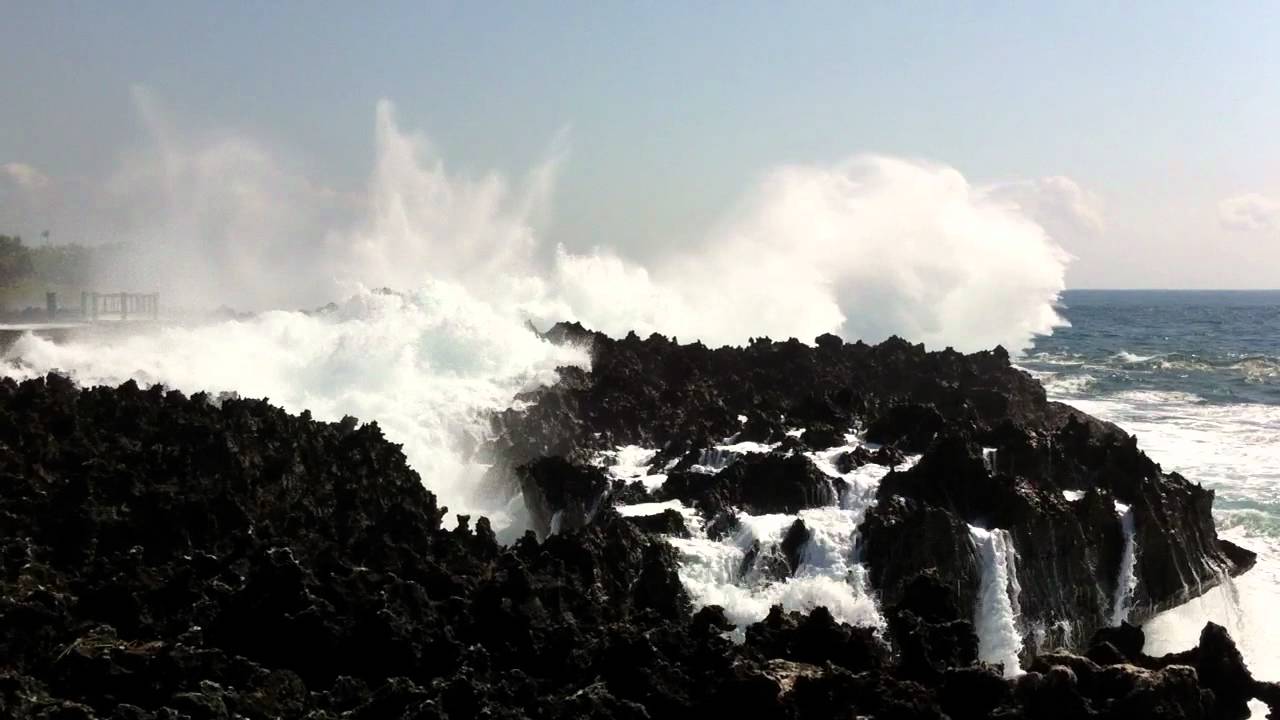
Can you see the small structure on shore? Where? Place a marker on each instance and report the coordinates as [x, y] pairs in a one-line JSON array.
[[123, 304], [94, 305]]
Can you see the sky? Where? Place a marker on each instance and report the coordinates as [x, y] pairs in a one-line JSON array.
[[1141, 135]]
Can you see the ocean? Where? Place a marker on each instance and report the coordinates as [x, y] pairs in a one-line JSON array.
[[1195, 375]]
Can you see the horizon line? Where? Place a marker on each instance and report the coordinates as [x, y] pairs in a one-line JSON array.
[[1167, 289]]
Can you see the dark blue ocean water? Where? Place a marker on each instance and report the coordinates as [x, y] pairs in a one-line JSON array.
[[1221, 346]]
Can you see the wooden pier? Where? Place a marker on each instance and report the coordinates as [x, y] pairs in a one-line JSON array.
[[138, 305], [95, 306]]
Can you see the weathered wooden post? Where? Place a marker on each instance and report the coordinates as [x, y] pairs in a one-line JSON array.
[[51, 304], [155, 306], [84, 305], [124, 306], [93, 297]]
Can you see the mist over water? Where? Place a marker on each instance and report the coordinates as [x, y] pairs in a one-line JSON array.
[[865, 248]]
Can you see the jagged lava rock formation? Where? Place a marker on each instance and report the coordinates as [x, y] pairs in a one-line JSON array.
[[164, 556], [994, 454]]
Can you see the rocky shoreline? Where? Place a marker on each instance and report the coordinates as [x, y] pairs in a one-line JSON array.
[[167, 556], [994, 453]]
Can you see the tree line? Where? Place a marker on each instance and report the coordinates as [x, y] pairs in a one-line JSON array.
[[70, 265]]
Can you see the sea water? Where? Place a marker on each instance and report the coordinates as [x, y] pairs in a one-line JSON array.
[[1195, 375]]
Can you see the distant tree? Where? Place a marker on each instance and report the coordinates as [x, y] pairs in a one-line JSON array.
[[15, 261], [62, 264]]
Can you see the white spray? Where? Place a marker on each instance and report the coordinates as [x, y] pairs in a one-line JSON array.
[[828, 575], [424, 365], [1127, 581], [865, 247], [996, 617]]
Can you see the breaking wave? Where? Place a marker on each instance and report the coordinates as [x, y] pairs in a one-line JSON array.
[[865, 248], [423, 365]]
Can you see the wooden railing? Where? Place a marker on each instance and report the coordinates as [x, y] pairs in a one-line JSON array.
[[126, 305]]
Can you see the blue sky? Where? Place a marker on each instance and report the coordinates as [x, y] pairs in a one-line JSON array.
[[1165, 113]]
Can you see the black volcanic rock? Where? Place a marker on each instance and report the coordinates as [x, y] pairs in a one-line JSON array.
[[886, 455], [816, 638], [994, 454], [911, 427], [661, 394], [756, 484], [902, 538], [821, 437], [166, 556], [794, 543], [560, 495], [1126, 639], [667, 522]]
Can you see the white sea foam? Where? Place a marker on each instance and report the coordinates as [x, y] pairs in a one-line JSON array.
[[712, 572], [631, 463], [997, 614], [718, 457], [1127, 357], [424, 365], [828, 574], [1061, 383]]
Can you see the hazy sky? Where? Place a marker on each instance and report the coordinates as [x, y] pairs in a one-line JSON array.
[[1143, 135]]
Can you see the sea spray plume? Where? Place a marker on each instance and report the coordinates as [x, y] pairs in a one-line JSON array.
[[215, 217], [867, 248], [426, 223]]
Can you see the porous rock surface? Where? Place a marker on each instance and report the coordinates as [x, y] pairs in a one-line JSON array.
[[995, 453], [164, 556]]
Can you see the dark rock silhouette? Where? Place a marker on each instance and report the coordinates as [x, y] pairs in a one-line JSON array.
[[756, 484], [164, 556], [995, 453]]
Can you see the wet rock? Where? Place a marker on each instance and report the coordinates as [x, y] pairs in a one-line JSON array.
[[1220, 668], [909, 427], [667, 522], [972, 692], [1172, 692], [885, 455], [902, 538], [817, 638], [1126, 639], [928, 630], [561, 495], [821, 437], [756, 484], [764, 564], [794, 543], [850, 460]]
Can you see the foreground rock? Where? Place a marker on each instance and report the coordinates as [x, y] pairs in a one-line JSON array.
[[166, 557]]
